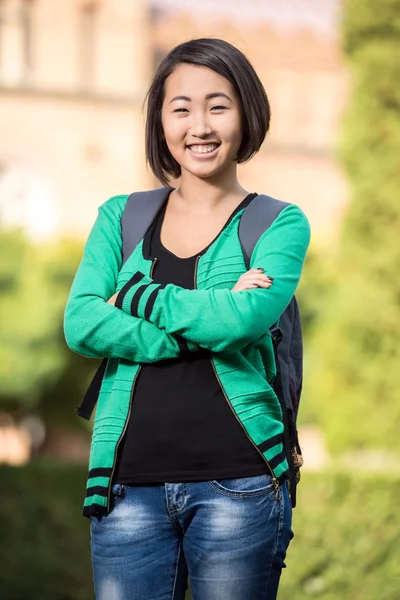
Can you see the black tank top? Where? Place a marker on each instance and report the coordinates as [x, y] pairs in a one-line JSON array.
[[181, 427]]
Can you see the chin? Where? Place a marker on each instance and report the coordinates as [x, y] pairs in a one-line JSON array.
[[205, 173]]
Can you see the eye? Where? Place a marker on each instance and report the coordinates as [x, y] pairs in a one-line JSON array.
[[219, 107], [180, 110]]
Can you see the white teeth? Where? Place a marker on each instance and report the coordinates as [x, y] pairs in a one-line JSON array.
[[203, 149]]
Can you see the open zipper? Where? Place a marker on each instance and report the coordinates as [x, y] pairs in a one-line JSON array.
[[274, 479], [127, 417]]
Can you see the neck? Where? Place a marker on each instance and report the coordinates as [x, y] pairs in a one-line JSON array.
[[203, 195]]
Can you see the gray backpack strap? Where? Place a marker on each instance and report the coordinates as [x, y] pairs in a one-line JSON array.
[[140, 211], [257, 217]]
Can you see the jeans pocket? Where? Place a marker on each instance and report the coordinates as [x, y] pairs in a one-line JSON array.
[[241, 487]]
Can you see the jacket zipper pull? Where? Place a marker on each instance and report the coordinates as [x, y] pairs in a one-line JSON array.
[[153, 264], [276, 486]]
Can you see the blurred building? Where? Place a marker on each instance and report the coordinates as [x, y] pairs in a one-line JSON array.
[[73, 76]]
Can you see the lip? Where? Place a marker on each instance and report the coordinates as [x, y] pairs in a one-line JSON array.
[[205, 155]]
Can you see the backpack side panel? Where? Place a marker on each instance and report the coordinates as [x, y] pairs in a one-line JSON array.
[[295, 359], [290, 355]]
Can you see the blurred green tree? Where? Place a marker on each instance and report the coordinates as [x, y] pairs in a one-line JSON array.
[[356, 347], [38, 373]]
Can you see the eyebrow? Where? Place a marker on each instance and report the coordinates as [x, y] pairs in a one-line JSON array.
[[208, 97]]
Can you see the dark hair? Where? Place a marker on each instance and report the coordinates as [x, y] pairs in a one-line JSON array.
[[226, 60]]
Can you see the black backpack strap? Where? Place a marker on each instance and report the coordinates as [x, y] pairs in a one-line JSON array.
[[89, 401], [140, 211], [257, 217]]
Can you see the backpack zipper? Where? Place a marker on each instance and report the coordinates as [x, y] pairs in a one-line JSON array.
[[127, 417], [274, 479]]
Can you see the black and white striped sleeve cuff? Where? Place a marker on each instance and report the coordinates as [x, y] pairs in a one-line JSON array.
[[138, 296]]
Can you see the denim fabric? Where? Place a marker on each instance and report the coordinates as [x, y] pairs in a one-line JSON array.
[[228, 536]]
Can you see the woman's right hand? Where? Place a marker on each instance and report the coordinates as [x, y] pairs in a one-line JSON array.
[[254, 278]]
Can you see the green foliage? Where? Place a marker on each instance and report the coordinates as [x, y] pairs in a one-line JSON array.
[[315, 288], [27, 356], [38, 373], [317, 284], [345, 545], [44, 551], [356, 347], [346, 539]]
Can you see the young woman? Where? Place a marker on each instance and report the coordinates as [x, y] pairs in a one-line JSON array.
[[187, 475]]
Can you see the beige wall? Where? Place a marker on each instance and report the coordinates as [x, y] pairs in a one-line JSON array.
[[66, 147], [55, 45], [72, 127], [83, 152]]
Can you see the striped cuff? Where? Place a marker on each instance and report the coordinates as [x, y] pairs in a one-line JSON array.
[[137, 298], [138, 295]]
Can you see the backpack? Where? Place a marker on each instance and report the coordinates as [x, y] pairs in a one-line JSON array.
[[139, 213]]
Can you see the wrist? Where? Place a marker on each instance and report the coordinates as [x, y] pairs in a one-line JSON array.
[[138, 295]]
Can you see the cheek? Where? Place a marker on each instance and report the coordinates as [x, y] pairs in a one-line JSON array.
[[234, 131], [172, 130], [173, 140]]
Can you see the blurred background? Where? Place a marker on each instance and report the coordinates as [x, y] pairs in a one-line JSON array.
[[73, 77]]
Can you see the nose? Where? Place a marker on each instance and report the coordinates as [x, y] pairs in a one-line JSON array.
[[200, 126]]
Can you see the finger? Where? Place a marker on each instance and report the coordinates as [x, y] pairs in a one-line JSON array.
[[255, 274], [249, 286], [261, 284], [255, 278]]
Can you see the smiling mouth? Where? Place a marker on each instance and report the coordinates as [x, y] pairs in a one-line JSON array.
[[203, 148]]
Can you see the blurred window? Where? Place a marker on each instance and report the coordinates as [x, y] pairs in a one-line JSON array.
[[15, 41], [158, 55], [87, 44]]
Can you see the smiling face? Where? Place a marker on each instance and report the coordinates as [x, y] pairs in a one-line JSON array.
[[201, 119]]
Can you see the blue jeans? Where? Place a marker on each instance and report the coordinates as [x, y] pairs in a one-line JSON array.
[[228, 536]]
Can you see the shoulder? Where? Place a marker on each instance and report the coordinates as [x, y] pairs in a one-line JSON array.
[[269, 214], [266, 209], [114, 207], [291, 225], [294, 215]]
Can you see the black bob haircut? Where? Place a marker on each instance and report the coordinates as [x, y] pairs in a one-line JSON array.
[[231, 63]]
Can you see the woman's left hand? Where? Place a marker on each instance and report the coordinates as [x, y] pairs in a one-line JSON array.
[[254, 278]]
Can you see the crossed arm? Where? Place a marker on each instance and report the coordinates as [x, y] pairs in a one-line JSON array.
[[94, 328], [154, 319], [219, 319]]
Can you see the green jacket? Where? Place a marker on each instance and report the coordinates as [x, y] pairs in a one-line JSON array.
[[151, 321]]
